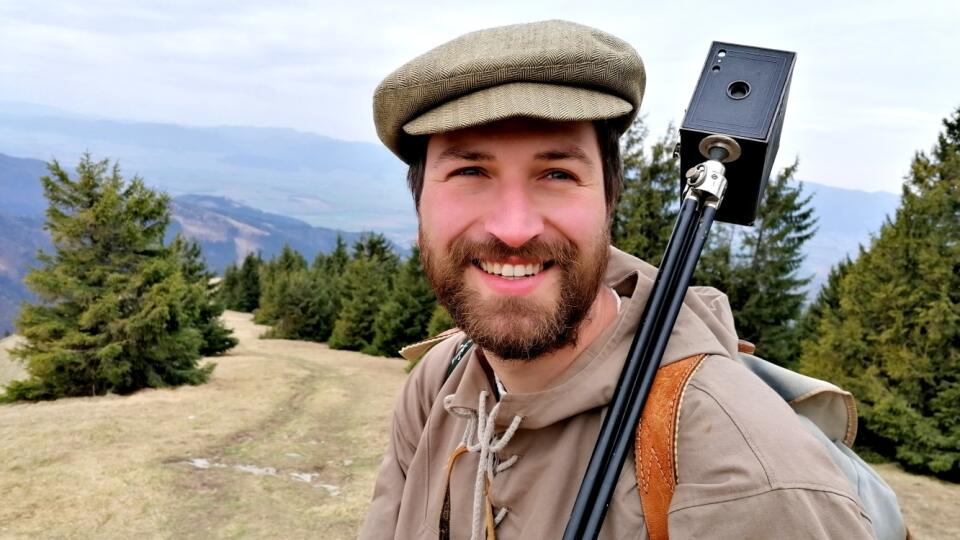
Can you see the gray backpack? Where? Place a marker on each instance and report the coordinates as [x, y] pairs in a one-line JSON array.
[[829, 413]]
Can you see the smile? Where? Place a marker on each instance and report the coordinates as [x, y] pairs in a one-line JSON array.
[[512, 271]]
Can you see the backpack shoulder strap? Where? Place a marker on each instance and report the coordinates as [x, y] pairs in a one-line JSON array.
[[655, 450]]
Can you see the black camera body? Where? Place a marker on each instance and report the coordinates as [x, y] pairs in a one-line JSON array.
[[742, 93]]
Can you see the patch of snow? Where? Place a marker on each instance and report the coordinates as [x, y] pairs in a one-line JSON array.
[[303, 477], [259, 471], [334, 491]]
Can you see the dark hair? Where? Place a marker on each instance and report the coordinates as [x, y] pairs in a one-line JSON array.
[[608, 137]]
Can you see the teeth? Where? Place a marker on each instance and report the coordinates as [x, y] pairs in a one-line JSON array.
[[511, 270]]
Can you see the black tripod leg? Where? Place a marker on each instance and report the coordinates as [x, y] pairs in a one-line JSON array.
[[625, 437], [673, 259]]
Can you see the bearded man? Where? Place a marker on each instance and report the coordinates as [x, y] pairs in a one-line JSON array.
[[511, 136]]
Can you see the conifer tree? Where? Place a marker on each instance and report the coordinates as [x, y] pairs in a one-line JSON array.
[[116, 313], [303, 307], [229, 290], [337, 260], [276, 288], [650, 199], [893, 335], [363, 289], [216, 337], [247, 292], [440, 321], [404, 315], [757, 267], [828, 298], [331, 274]]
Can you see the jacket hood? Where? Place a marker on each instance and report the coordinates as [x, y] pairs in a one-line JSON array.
[[704, 326]]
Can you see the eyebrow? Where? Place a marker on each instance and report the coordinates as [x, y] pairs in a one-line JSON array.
[[460, 153], [457, 152], [573, 152]]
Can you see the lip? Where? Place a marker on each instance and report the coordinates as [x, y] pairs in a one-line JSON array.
[[512, 287]]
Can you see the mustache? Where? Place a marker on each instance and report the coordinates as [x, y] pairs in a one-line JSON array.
[[464, 251]]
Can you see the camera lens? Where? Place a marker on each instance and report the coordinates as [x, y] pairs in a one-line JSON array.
[[738, 89]]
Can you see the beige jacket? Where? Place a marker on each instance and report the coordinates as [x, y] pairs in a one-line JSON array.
[[746, 467]]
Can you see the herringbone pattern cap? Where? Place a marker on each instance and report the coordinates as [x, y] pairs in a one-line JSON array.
[[553, 70]]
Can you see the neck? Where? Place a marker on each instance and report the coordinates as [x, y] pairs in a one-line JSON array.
[[537, 374]]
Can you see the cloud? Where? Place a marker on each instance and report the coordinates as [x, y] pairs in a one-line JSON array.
[[862, 66]]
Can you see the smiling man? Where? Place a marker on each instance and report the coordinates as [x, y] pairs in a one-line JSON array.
[[511, 135]]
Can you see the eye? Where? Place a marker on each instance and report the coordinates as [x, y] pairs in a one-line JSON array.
[[559, 175], [467, 171]]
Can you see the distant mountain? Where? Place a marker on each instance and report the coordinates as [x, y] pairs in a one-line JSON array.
[[226, 230], [846, 220], [352, 186], [20, 186]]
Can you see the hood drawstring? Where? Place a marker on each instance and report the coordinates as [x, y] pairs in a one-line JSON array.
[[480, 426]]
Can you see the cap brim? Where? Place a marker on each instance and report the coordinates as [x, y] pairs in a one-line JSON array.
[[535, 100]]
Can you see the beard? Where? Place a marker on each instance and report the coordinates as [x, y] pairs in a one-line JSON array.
[[514, 327]]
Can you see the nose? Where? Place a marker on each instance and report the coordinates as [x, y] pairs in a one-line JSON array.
[[513, 216]]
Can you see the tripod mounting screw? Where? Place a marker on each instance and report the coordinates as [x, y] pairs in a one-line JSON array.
[[719, 147]]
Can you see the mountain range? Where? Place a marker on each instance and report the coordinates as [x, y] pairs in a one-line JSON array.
[[240, 189], [225, 229]]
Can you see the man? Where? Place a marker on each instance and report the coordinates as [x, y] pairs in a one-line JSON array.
[[511, 137]]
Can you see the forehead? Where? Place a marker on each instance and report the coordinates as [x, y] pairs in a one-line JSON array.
[[517, 135]]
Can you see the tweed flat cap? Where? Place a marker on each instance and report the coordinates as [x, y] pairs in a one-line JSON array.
[[552, 70]]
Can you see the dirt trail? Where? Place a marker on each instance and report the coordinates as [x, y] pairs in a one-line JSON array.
[[283, 442], [9, 369]]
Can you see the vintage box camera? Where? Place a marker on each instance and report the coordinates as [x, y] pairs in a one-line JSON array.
[[742, 93]]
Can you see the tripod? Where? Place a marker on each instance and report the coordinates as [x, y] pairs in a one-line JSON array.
[[705, 187]]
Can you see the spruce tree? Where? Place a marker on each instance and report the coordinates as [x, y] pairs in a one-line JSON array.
[[276, 287], [649, 202], [828, 298], [440, 321], [303, 307], [229, 289], [248, 292], [216, 337], [404, 315], [363, 289], [115, 312], [893, 335], [758, 268], [337, 260], [331, 273]]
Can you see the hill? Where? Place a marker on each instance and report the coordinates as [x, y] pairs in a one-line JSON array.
[[323, 181], [226, 230], [283, 442]]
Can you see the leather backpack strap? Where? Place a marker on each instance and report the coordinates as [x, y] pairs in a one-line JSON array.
[[656, 452]]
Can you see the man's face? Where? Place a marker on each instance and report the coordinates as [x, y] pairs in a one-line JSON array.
[[514, 231]]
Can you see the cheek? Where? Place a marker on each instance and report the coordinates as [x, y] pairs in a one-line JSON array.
[[443, 214], [579, 218]]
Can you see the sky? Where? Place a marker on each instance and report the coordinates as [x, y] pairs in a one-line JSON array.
[[873, 79]]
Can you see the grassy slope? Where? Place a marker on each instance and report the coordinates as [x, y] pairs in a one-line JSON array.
[[117, 467]]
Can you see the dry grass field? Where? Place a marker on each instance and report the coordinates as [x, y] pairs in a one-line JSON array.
[[284, 442]]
